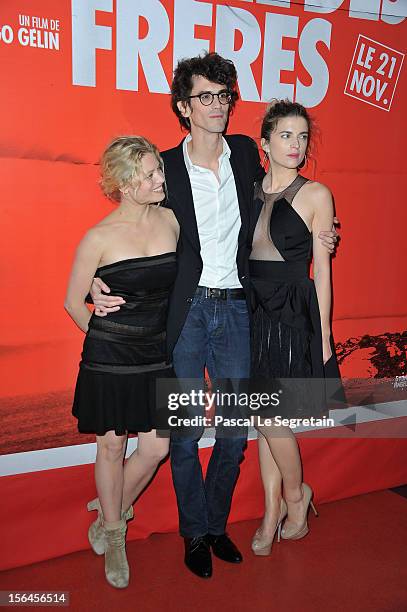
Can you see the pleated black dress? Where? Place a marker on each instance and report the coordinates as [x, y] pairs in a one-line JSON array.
[[286, 339], [124, 354]]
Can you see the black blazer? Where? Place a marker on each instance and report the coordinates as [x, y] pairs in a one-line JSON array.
[[246, 168]]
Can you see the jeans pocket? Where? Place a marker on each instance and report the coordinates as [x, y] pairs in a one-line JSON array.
[[196, 300], [239, 306]]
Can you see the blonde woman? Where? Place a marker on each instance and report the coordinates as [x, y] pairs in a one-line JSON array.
[[133, 250]]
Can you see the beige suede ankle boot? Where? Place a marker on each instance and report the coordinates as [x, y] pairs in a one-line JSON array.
[[116, 566], [96, 532]]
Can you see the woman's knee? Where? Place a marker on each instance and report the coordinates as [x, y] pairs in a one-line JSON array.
[[153, 450], [156, 455], [160, 454], [111, 447], [267, 431], [272, 431]]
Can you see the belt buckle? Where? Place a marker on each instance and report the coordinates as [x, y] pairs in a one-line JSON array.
[[216, 293]]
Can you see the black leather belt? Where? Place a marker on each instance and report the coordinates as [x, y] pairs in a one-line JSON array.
[[220, 294]]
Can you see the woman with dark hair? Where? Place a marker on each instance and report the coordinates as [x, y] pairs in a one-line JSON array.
[[291, 339], [124, 353]]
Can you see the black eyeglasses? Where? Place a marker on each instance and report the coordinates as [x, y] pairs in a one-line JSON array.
[[206, 98]]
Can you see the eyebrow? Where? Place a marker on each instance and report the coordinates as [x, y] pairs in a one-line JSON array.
[[152, 169], [291, 132], [224, 90]]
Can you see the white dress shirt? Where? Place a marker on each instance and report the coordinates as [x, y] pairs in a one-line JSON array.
[[218, 218]]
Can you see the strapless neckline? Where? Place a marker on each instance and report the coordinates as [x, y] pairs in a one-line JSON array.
[[138, 259]]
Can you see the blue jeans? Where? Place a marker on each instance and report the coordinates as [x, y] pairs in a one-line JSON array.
[[215, 335]]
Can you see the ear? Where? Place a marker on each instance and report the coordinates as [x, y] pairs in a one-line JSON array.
[[184, 108], [265, 145]]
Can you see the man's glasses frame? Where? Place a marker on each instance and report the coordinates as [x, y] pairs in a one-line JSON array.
[[207, 97]]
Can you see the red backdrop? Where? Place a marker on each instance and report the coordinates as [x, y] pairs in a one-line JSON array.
[[77, 73], [55, 124]]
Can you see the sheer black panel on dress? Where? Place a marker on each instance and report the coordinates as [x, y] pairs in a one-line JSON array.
[[279, 227], [286, 338]]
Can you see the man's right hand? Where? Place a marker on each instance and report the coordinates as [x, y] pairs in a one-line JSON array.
[[104, 303]]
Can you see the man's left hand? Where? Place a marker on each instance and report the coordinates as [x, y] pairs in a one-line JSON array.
[[329, 239]]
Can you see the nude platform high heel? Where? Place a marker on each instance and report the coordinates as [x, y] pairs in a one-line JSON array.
[[261, 546], [296, 533]]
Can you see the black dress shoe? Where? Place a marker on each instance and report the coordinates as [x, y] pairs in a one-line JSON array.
[[223, 547], [198, 556]]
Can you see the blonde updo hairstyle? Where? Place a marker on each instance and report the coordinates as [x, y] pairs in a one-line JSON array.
[[121, 163]]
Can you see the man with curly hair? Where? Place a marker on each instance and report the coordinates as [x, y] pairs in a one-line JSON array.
[[210, 189]]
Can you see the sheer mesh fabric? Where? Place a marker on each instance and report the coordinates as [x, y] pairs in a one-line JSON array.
[[264, 248]]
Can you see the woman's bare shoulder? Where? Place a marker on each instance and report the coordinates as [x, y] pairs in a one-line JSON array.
[[163, 210], [316, 189], [100, 233], [95, 233], [167, 214], [316, 194]]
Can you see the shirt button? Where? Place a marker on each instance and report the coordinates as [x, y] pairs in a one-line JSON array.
[[242, 277]]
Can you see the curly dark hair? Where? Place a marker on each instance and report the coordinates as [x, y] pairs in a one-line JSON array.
[[209, 65], [278, 109]]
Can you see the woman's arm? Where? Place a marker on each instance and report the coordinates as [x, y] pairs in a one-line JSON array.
[[322, 220], [87, 258]]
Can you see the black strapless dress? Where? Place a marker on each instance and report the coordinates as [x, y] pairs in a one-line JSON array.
[[286, 338], [124, 353]]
